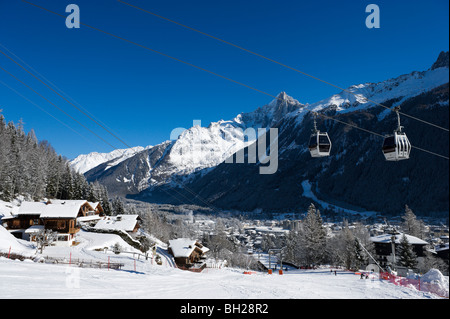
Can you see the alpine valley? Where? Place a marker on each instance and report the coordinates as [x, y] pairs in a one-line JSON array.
[[191, 168]]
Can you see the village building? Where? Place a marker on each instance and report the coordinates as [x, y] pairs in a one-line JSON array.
[[386, 248], [60, 216], [126, 223], [188, 254], [442, 251]]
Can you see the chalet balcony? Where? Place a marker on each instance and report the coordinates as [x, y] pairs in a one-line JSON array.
[[67, 226]]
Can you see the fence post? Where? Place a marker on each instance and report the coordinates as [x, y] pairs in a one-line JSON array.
[[9, 253], [70, 258], [108, 263]]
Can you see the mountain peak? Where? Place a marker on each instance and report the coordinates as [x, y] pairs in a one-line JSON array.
[[282, 96], [442, 61], [284, 99]]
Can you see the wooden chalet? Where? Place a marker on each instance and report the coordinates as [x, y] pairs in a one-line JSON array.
[[188, 253], [60, 216]]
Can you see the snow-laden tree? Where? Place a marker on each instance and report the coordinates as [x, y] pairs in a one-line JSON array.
[[312, 238], [348, 248], [44, 238], [118, 207], [411, 225], [32, 168]]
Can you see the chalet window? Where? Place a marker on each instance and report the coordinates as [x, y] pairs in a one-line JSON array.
[[61, 224], [63, 238]]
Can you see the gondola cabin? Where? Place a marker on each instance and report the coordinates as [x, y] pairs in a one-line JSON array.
[[396, 147], [319, 144]]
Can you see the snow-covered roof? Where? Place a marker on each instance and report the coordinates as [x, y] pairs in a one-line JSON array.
[[60, 211], [75, 202], [183, 247], [31, 208], [54, 209], [88, 218], [119, 222], [441, 247], [94, 205], [34, 229], [386, 238]]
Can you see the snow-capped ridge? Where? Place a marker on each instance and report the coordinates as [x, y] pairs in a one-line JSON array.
[[86, 162], [401, 88]]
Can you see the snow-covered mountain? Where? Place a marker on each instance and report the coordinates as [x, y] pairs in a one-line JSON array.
[[203, 147], [86, 162], [196, 149], [195, 156], [392, 91], [400, 89]]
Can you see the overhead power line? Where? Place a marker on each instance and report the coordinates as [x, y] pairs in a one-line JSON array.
[[279, 63]]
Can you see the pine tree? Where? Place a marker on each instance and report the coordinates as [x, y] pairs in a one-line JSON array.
[[67, 184], [104, 201], [407, 257], [117, 206], [33, 169]]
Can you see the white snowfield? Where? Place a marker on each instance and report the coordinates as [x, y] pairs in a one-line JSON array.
[[34, 280], [140, 278]]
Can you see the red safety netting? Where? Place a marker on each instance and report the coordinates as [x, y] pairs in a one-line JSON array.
[[418, 284]]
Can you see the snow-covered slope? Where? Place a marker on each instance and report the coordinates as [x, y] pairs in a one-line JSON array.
[[161, 282], [399, 89], [85, 162], [9, 243]]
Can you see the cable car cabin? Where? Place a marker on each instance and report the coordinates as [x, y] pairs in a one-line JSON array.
[[396, 147], [319, 144]]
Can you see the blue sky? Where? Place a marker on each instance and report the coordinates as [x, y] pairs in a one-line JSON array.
[[141, 96]]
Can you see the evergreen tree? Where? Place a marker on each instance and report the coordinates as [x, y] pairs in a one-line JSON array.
[[67, 185], [33, 169], [117, 206], [407, 257], [104, 201], [360, 258]]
